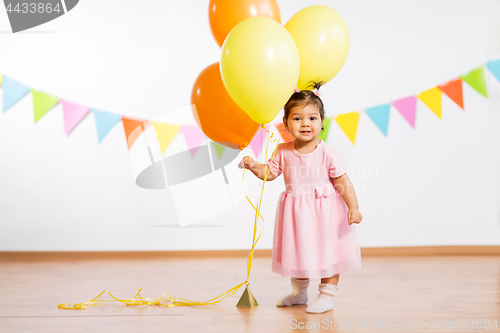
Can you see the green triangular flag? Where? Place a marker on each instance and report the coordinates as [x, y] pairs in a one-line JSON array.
[[476, 80], [42, 103], [219, 149], [326, 125]]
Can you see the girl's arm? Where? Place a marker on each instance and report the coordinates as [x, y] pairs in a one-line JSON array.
[[346, 189], [258, 169]]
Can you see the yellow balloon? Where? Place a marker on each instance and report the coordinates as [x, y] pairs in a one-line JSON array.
[[322, 38], [260, 67]]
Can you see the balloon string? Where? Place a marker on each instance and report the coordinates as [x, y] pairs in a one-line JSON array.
[[168, 300], [257, 209]]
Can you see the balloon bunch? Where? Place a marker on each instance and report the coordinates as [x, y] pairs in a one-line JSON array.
[[261, 64]]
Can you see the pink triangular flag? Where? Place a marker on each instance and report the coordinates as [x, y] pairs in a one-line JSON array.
[[72, 114], [256, 143], [407, 107], [194, 136]]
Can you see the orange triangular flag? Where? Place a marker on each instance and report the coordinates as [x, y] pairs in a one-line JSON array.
[[284, 133], [133, 128], [349, 124], [432, 98], [453, 89]]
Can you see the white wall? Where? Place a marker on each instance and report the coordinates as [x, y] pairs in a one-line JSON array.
[[435, 185]]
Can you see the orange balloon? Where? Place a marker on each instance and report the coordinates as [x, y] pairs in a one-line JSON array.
[[224, 15], [217, 114]]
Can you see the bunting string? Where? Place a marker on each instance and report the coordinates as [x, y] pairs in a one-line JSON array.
[[73, 113]]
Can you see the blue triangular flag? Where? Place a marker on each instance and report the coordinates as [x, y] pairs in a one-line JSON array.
[[104, 122], [13, 91], [380, 116], [494, 67]]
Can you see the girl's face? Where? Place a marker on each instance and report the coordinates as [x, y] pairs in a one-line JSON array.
[[304, 122]]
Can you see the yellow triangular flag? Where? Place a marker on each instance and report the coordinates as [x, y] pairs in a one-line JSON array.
[[165, 133], [349, 124], [432, 98]]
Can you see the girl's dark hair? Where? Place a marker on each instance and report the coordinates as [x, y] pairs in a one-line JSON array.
[[305, 97]]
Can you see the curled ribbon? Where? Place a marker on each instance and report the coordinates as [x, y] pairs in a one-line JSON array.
[[160, 301]]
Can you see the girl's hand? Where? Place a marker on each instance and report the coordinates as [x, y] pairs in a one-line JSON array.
[[246, 162], [354, 216]]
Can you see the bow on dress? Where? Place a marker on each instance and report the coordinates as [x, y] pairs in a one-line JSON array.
[[322, 192]]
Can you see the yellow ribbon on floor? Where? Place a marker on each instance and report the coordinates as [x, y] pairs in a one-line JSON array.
[[170, 300]]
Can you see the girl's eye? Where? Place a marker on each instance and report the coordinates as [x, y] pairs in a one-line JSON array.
[[295, 118], [313, 118]]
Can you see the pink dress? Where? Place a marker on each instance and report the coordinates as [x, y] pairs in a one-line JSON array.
[[312, 238]]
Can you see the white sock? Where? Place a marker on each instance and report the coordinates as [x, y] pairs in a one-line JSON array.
[[324, 302], [298, 296]]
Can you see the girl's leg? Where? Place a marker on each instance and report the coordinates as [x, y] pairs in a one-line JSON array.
[[327, 289], [331, 280]]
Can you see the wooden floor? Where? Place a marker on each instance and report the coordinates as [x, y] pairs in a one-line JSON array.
[[404, 291]]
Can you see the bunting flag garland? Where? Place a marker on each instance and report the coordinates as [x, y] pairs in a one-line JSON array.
[[453, 89], [407, 107], [133, 128], [380, 116], [494, 67], [165, 134], [476, 80], [13, 91], [42, 103], [432, 98], [72, 114], [104, 122], [349, 124]]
